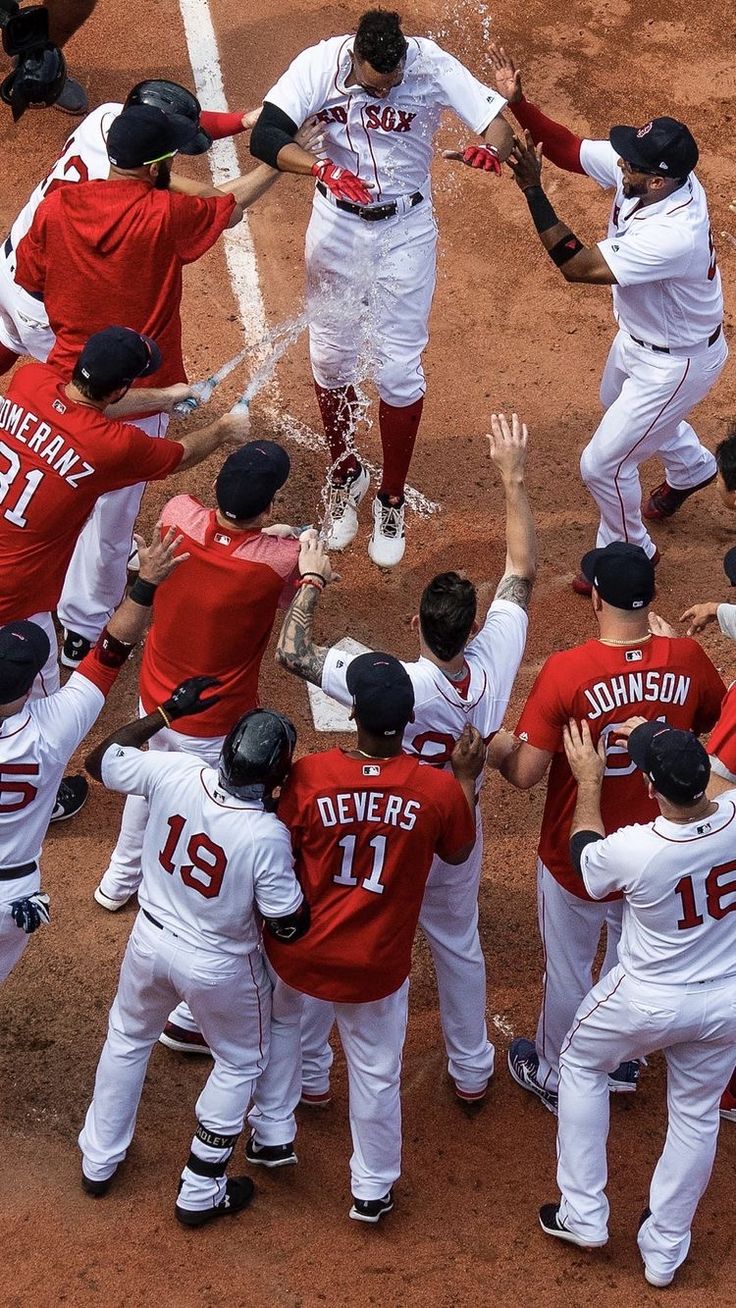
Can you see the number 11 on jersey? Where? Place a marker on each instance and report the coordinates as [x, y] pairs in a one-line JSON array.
[[345, 876]]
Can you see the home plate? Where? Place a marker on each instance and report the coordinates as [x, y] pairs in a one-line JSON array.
[[327, 713]]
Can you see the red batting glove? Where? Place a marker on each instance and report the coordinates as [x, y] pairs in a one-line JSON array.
[[344, 185], [480, 156]]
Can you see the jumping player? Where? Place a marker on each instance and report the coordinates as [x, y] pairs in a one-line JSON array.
[[627, 670], [206, 875], [371, 242], [660, 260], [365, 824]]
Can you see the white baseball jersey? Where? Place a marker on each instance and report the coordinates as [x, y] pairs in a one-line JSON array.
[[35, 747], [679, 886], [209, 860], [386, 142], [726, 614], [662, 256], [443, 707], [83, 159]]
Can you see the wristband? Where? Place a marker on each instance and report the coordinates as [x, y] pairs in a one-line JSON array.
[[142, 592], [309, 581], [111, 652], [318, 575], [164, 715], [541, 210], [565, 249]]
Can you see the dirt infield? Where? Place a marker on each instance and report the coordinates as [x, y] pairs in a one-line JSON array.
[[506, 332]]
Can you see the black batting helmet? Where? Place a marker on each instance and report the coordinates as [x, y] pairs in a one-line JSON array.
[[172, 98], [257, 751], [38, 78]]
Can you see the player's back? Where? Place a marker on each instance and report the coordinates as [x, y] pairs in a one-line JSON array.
[[667, 678], [237, 580], [364, 833], [204, 854]]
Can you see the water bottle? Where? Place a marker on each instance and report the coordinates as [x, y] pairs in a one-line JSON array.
[[183, 408]]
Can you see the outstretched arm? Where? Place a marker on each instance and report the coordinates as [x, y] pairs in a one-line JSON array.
[[508, 452], [561, 146], [296, 650]]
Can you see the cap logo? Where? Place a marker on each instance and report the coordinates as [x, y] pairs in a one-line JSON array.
[[663, 165], [637, 604], [643, 130]]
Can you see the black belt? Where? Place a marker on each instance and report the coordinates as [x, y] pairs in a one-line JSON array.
[[377, 212], [23, 870], [7, 251], [155, 921], [664, 349]]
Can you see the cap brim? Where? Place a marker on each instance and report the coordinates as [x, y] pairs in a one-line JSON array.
[[729, 565], [199, 144], [589, 565], [624, 142], [155, 360], [640, 741]]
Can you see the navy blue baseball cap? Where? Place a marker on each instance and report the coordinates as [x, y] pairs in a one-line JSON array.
[[249, 478], [143, 134], [674, 761], [383, 695], [663, 147], [729, 564], [622, 574], [24, 649], [118, 356]]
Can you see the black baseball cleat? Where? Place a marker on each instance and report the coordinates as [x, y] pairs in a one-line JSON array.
[[74, 649], [371, 1210], [73, 99], [182, 1041], [97, 1188], [271, 1155], [70, 797], [625, 1078], [549, 1220], [523, 1061], [664, 500], [238, 1194]]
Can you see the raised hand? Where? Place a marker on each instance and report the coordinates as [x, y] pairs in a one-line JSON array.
[[314, 559], [586, 762], [469, 755], [525, 162], [699, 616], [508, 444], [159, 559], [187, 698], [507, 75]]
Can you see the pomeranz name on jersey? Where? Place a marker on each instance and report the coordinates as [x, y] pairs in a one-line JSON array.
[[368, 806], [50, 446], [653, 686]]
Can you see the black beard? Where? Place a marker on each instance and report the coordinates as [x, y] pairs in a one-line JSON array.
[[634, 189], [163, 177]]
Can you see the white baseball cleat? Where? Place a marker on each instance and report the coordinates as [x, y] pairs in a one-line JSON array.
[[106, 901], [387, 543], [342, 509]]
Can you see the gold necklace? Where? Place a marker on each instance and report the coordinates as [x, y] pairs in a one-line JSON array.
[[642, 640], [380, 758]]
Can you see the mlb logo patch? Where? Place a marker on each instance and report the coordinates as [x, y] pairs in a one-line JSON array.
[[371, 770], [60, 408], [634, 655], [222, 539]]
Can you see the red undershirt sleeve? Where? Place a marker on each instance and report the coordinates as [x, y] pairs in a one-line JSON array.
[[220, 125], [561, 146]]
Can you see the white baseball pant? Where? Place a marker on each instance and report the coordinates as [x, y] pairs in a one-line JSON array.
[[96, 576], [621, 1019], [24, 326], [449, 920], [48, 680], [370, 288], [13, 941], [230, 995], [372, 1036], [570, 928], [122, 877], [647, 396]]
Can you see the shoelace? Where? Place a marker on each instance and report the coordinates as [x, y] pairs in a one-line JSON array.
[[392, 519]]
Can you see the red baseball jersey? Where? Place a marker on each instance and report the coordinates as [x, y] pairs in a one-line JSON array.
[[722, 742], [364, 833], [56, 459], [230, 587], [671, 679], [112, 252]]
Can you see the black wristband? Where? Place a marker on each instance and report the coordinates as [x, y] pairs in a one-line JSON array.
[[318, 575], [565, 249], [142, 592], [111, 651], [541, 210]]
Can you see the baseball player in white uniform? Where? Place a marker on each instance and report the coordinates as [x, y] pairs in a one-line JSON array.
[[214, 855], [673, 989], [39, 736], [457, 681], [660, 261], [371, 241]]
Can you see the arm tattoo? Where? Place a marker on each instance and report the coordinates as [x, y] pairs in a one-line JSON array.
[[517, 590], [297, 651]]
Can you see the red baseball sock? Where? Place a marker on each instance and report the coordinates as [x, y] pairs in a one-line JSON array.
[[7, 359], [338, 409], [398, 433]]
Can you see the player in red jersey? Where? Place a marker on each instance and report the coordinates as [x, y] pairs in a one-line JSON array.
[[60, 451], [240, 571], [365, 825], [627, 671], [114, 250]]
